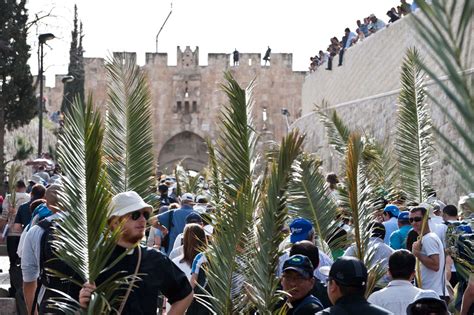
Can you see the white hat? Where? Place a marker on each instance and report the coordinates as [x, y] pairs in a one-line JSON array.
[[425, 295], [127, 202], [35, 178], [187, 197]]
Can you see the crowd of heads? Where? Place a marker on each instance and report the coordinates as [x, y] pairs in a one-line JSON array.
[[365, 28]]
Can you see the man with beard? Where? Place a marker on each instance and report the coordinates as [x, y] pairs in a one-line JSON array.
[[156, 271]]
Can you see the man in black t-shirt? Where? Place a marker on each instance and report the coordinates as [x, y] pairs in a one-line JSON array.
[[156, 271]]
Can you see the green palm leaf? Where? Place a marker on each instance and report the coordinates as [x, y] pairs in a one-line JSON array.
[[359, 197], [413, 143], [236, 159], [309, 198], [270, 221], [336, 131], [445, 27], [83, 240], [128, 144]]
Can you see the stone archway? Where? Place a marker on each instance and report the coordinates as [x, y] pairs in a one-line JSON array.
[[185, 147]]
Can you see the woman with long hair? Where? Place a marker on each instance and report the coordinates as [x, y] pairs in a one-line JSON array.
[[194, 242]]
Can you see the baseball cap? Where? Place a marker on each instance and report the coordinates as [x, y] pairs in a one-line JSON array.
[[193, 217], [127, 202], [300, 229], [426, 295], [35, 178], [299, 263], [393, 209], [348, 271], [187, 197], [404, 216]]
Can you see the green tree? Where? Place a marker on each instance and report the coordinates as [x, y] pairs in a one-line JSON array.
[[17, 99], [75, 88]]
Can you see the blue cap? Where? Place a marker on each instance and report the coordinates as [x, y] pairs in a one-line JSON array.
[[393, 209], [404, 216], [193, 217], [464, 229], [300, 229]]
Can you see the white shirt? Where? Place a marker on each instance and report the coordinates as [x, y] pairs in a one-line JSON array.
[[390, 227], [395, 297], [183, 266], [430, 279]]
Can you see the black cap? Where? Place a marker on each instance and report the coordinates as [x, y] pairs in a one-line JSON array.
[[348, 271], [300, 264], [193, 217]]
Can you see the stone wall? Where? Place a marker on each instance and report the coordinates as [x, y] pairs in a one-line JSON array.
[[364, 93]]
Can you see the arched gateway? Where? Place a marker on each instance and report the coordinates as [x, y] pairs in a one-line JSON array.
[[187, 147]]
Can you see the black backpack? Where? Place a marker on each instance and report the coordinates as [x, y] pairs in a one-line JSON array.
[[165, 242], [49, 260]]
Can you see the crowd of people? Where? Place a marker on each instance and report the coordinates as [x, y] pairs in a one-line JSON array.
[[365, 28], [173, 252]]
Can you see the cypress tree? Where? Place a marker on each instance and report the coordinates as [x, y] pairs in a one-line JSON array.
[[76, 66], [18, 104]]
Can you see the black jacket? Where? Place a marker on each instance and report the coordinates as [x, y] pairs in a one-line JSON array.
[[354, 305]]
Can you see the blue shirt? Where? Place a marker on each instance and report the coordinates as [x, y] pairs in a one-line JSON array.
[[179, 221], [398, 239]]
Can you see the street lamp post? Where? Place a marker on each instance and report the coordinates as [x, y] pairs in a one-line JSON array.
[[166, 20], [42, 40]]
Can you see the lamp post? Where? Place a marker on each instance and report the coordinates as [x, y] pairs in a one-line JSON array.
[[42, 40], [166, 20]]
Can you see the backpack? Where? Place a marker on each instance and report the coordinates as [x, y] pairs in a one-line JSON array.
[[48, 260], [165, 242]]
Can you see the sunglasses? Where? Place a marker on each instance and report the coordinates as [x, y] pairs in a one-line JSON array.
[[135, 215], [415, 219]]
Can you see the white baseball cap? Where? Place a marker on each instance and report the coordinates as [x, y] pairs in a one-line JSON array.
[[187, 197], [127, 202]]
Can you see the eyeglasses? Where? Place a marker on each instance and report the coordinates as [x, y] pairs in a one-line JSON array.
[[415, 219], [135, 215]]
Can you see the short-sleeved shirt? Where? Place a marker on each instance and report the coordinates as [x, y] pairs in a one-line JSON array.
[[430, 279], [179, 221], [157, 273], [398, 239], [23, 215], [390, 227]]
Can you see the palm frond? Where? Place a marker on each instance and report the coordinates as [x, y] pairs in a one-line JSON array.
[[128, 144], [83, 240], [271, 220], [336, 131], [236, 159], [359, 196], [309, 198], [414, 143], [445, 27]]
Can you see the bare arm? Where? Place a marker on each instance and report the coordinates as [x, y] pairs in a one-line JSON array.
[[468, 297], [431, 262], [179, 307], [29, 289]]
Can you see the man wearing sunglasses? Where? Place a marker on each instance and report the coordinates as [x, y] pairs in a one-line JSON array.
[[156, 271], [429, 250]]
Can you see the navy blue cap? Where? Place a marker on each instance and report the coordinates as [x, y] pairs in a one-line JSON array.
[[193, 217], [299, 263], [300, 229]]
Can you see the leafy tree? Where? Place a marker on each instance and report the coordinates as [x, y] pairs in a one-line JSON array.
[[75, 88], [17, 99]]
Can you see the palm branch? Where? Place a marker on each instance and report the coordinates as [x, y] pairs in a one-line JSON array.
[[309, 198], [13, 173], [128, 144], [445, 27], [236, 159], [336, 131], [270, 221], [359, 197], [414, 143], [83, 240]]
